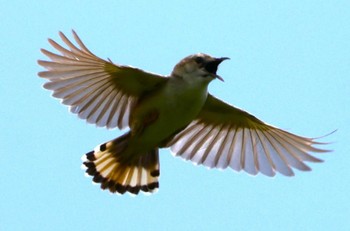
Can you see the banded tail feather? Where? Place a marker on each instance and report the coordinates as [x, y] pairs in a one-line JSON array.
[[108, 167]]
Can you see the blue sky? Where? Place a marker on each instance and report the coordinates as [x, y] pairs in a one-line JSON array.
[[290, 66]]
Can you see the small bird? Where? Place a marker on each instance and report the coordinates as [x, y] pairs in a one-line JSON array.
[[173, 111]]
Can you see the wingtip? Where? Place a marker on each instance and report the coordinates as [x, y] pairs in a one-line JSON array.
[[51, 41], [321, 137], [42, 74], [42, 50], [74, 33]]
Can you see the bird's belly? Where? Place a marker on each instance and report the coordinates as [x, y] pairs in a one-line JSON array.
[[171, 112]]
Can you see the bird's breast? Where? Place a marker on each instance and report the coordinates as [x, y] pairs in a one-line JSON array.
[[182, 102], [167, 110]]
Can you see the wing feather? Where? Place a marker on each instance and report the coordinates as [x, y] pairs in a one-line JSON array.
[[236, 147], [97, 90], [224, 136], [221, 148]]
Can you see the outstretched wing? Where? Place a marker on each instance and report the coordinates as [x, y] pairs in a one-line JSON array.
[[97, 90], [223, 136]]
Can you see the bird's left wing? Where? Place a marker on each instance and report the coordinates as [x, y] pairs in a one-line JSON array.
[[99, 91], [223, 136]]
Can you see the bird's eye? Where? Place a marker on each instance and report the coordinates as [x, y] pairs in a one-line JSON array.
[[199, 60]]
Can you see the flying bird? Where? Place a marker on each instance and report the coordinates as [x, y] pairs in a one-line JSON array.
[[173, 111]]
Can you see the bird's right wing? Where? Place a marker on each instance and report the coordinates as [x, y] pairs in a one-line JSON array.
[[97, 90], [224, 136]]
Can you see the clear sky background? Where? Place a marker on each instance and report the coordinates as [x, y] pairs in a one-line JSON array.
[[290, 66]]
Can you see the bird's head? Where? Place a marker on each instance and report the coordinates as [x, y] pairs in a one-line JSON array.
[[200, 67]]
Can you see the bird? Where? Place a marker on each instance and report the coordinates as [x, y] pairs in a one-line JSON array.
[[174, 111]]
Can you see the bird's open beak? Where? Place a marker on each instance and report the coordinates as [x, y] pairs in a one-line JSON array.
[[218, 61]]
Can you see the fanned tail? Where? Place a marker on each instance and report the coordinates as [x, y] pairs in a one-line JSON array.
[[109, 168]]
